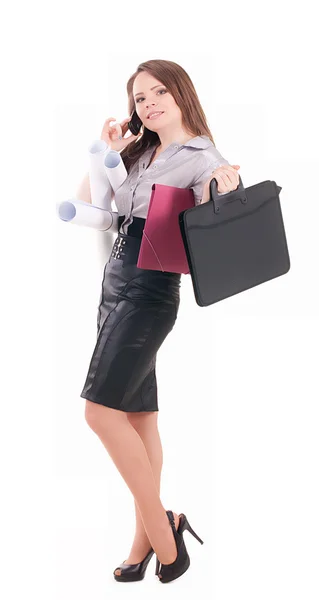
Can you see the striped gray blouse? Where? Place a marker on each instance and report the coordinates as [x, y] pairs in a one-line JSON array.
[[186, 165]]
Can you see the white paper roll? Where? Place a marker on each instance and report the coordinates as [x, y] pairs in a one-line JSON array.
[[83, 213], [83, 191], [115, 169], [100, 186]]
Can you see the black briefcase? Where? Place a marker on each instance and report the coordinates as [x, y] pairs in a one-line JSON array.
[[235, 241]]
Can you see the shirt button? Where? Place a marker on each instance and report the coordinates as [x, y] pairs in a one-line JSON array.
[[155, 167], [175, 147]]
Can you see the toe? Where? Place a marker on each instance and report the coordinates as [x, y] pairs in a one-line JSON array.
[[118, 572]]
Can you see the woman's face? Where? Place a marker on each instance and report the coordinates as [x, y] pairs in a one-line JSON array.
[[152, 100]]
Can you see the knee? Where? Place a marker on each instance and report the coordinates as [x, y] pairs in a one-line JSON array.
[[91, 414], [102, 418]]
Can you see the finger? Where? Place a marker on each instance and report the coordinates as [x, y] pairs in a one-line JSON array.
[[222, 176], [234, 180], [127, 120], [124, 125], [107, 127], [229, 167], [221, 187], [225, 182], [231, 173], [117, 129], [234, 176]]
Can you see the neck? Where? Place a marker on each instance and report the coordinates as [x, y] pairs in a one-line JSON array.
[[166, 138]]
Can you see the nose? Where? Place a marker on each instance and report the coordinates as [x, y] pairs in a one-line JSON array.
[[150, 104]]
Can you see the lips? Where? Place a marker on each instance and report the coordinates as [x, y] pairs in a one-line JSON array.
[[157, 112]]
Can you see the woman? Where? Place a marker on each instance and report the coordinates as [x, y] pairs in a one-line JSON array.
[[139, 307]]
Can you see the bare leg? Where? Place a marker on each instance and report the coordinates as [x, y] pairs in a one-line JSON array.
[[127, 450], [145, 423]]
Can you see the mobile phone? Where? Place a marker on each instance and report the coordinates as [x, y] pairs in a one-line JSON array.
[[135, 123]]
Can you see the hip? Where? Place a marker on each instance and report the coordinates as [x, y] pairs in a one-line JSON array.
[[123, 278]]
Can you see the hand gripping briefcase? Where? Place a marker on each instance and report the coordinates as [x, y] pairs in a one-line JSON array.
[[235, 241]]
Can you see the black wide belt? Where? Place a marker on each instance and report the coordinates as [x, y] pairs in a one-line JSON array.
[[126, 248], [135, 229]]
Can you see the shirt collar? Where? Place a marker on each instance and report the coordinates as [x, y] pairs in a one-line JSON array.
[[200, 141]]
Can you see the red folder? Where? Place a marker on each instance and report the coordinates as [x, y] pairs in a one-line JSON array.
[[162, 247]]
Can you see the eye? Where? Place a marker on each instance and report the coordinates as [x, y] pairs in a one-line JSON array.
[[141, 97]]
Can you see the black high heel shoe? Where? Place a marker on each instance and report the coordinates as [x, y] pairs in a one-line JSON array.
[[182, 561], [134, 572]]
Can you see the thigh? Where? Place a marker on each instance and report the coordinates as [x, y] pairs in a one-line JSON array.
[[143, 420], [97, 415]]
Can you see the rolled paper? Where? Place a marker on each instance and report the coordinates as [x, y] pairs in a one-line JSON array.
[[83, 191], [83, 213], [100, 186], [115, 169]]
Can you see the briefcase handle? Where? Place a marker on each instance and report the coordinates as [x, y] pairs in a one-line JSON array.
[[238, 194]]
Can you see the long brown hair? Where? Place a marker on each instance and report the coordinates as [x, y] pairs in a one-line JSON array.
[[180, 86]]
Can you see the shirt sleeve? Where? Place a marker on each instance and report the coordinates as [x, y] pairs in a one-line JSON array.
[[211, 165]]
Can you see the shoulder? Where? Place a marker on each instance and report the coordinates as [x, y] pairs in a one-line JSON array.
[[206, 156], [207, 152], [205, 160]]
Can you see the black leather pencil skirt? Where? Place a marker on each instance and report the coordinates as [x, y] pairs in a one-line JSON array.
[[137, 309]]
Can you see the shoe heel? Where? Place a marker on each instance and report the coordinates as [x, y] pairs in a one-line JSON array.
[[189, 528], [171, 571]]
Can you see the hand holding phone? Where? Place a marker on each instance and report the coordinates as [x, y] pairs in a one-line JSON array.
[[135, 123], [113, 135]]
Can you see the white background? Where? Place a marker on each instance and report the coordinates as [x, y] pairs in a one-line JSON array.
[[237, 381]]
